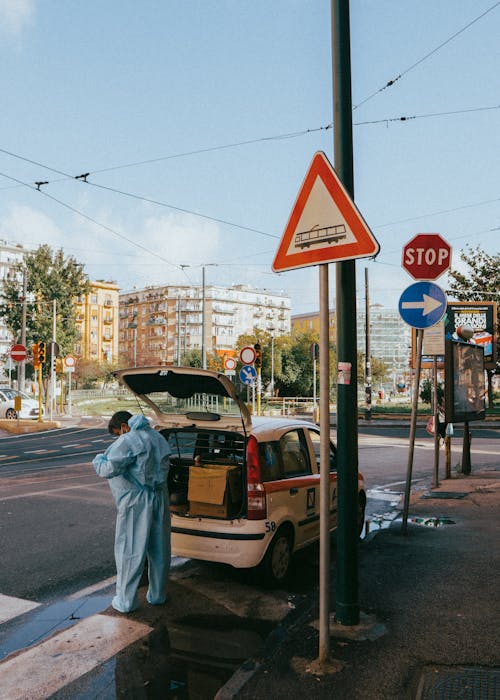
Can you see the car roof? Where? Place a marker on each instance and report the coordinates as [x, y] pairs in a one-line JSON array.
[[265, 428]]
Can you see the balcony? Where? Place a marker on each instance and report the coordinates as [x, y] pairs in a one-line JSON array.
[[107, 320]]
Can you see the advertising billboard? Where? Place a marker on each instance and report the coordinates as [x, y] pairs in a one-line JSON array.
[[480, 315], [465, 385]]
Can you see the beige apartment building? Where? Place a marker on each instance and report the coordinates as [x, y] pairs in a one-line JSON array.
[[160, 324], [97, 322]]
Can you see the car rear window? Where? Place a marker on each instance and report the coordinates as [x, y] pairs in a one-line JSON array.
[[206, 447]]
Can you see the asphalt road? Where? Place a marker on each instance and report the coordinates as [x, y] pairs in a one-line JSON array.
[[57, 517]]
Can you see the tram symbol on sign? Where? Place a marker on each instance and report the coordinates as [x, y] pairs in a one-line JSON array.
[[316, 236]]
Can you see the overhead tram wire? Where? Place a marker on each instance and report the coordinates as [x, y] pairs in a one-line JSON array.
[[392, 82], [94, 221], [425, 116]]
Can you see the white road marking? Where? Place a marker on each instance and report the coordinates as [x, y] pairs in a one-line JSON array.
[[13, 607], [93, 589], [42, 670], [50, 492]]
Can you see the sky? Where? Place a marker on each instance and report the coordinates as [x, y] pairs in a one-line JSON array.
[[197, 122]]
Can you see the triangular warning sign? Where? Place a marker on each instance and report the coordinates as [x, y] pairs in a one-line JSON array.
[[325, 224]]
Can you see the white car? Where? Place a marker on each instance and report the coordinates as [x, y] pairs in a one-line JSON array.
[[244, 491], [29, 405]]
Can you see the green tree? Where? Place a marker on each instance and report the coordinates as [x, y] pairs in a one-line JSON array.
[[480, 282], [379, 369], [50, 276]]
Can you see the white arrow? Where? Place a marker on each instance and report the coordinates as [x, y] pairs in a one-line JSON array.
[[428, 304]]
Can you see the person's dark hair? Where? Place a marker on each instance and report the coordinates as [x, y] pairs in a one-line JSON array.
[[117, 419]]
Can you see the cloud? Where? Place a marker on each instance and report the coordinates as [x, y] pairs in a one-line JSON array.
[[15, 15], [30, 227]]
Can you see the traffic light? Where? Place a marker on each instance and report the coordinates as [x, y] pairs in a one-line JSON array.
[[59, 365], [258, 354], [36, 357], [42, 351], [315, 351]]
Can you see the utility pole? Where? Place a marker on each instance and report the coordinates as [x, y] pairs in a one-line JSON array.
[[347, 605], [368, 352], [203, 321], [22, 365]]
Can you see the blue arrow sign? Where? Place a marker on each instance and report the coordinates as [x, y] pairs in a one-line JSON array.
[[422, 305], [248, 374]]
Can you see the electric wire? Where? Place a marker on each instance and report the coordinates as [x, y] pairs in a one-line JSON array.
[[425, 116], [94, 221], [391, 82]]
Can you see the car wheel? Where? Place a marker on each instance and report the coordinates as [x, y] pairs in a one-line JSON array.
[[276, 563], [361, 513], [10, 414]]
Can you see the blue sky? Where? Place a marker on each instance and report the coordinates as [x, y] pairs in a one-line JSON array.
[[94, 86]]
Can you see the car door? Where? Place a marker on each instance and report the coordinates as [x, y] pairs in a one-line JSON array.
[[314, 437], [298, 492]]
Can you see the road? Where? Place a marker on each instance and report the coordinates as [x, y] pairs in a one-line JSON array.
[[57, 517], [56, 537]]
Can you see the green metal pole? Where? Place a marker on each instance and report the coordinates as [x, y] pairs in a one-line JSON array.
[[347, 605]]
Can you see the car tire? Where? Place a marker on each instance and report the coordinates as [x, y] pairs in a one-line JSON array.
[[10, 414], [275, 566]]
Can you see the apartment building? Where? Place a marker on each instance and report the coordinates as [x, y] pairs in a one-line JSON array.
[[390, 336], [10, 255], [97, 322], [160, 324]]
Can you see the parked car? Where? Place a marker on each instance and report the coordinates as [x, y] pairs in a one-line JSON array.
[[244, 490], [29, 405]]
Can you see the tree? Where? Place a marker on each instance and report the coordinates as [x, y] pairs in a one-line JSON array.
[[50, 276], [481, 282]]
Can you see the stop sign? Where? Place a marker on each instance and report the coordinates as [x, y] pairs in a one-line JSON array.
[[427, 256], [18, 353]]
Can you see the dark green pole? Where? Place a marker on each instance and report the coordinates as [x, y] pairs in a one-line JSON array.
[[347, 604]]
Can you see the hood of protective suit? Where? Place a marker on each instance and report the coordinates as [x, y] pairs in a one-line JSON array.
[[139, 422]]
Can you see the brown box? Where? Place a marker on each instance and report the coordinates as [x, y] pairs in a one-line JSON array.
[[213, 490]]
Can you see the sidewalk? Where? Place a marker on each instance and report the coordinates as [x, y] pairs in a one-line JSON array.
[[430, 611]]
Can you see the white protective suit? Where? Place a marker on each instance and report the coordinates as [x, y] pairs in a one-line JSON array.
[[137, 465]]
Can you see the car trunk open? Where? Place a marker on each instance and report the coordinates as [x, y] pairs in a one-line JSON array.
[[206, 425]]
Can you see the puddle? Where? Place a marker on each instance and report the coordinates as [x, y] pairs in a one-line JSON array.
[[383, 522], [431, 522], [188, 659], [42, 623]]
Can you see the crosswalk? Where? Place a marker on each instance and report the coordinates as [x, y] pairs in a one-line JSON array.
[[38, 670], [78, 647]]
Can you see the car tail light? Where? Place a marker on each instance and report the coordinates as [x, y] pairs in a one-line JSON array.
[[256, 496]]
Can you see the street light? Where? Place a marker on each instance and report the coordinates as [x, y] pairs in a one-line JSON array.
[[271, 331], [133, 325]]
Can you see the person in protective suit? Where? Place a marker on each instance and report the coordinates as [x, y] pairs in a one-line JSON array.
[[137, 465]]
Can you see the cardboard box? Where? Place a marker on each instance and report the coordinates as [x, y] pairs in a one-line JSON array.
[[214, 490]]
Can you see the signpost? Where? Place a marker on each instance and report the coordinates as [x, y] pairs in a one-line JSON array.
[[326, 226], [422, 305], [247, 355], [18, 353], [248, 375], [427, 256]]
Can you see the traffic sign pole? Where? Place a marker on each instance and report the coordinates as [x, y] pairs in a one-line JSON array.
[[346, 591], [413, 428]]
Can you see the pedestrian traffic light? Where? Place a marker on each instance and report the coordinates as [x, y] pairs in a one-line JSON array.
[[42, 351], [36, 356], [258, 354]]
